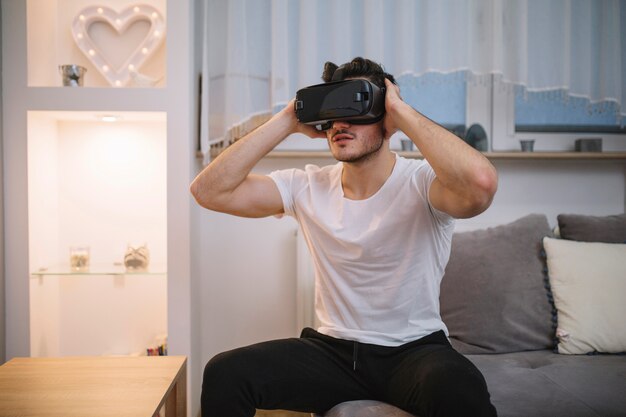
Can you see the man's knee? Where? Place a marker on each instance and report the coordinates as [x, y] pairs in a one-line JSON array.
[[221, 371], [457, 389], [224, 389]]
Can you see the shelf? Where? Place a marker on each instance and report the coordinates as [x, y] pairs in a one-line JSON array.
[[110, 269], [96, 98], [604, 156]]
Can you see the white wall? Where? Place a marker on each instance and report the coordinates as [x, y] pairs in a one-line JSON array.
[[2, 332], [551, 188], [120, 197], [248, 268]]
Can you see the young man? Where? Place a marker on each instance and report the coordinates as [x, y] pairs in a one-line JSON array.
[[379, 228]]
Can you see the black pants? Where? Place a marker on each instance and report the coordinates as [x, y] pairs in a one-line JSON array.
[[312, 374]]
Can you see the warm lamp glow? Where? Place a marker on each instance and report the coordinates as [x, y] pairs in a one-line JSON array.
[[110, 118]]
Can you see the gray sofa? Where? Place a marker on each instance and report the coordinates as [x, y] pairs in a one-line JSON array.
[[502, 303]]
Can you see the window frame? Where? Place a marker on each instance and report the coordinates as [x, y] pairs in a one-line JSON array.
[[499, 122]]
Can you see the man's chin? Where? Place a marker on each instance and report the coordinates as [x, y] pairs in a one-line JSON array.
[[343, 154], [351, 157]]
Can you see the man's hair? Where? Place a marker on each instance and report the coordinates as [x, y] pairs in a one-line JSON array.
[[357, 68]]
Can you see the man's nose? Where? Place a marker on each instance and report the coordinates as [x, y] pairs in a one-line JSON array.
[[341, 124]]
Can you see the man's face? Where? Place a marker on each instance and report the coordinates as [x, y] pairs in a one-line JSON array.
[[354, 143]]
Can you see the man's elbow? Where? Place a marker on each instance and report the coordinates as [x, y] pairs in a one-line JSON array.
[[485, 187], [194, 189], [201, 195]]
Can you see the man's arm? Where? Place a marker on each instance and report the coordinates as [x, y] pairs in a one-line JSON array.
[[466, 181], [226, 184]]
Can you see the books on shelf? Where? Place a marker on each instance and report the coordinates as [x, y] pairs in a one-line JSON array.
[[159, 348]]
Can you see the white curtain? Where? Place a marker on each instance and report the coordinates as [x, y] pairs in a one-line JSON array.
[[257, 53]]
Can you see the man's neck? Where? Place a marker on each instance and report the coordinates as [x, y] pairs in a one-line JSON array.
[[361, 180]]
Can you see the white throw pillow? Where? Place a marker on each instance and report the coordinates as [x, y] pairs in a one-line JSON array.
[[588, 281]]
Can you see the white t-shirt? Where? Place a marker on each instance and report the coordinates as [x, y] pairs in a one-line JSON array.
[[379, 261]]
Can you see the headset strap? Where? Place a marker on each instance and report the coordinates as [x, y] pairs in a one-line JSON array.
[[338, 74]]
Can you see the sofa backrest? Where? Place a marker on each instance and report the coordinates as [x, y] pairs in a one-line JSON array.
[[494, 294]]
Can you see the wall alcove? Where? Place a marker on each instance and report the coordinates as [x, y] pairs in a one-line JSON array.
[[100, 185]]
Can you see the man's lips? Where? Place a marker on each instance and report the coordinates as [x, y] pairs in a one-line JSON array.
[[338, 137]]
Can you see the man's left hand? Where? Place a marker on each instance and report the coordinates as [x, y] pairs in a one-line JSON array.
[[392, 100]]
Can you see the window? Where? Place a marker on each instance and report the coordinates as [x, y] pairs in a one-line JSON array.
[[556, 112], [440, 97]]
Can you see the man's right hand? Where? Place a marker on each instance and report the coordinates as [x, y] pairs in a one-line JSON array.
[[310, 131], [227, 184]]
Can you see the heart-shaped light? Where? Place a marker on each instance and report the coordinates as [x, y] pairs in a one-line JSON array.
[[119, 77]]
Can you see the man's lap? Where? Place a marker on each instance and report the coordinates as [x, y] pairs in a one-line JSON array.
[[315, 372]]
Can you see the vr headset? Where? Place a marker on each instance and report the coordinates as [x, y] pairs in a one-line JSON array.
[[356, 101]]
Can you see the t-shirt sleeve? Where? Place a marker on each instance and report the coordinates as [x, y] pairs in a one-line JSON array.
[[424, 178], [284, 180]]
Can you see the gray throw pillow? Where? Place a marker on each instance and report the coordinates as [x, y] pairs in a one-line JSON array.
[[493, 294], [606, 229]]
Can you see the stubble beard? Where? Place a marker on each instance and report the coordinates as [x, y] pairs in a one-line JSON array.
[[365, 155]]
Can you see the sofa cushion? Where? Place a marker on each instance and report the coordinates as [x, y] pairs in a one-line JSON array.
[[608, 229], [546, 384], [588, 281], [365, 408], [493, 295]]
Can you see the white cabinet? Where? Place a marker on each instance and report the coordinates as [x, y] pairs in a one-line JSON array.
[[74, 177], [96, 176]]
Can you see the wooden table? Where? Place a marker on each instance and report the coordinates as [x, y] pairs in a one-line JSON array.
[[93, 386]]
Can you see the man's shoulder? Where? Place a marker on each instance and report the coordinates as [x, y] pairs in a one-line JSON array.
[[321, 173], [410, 166], [311, 173]]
